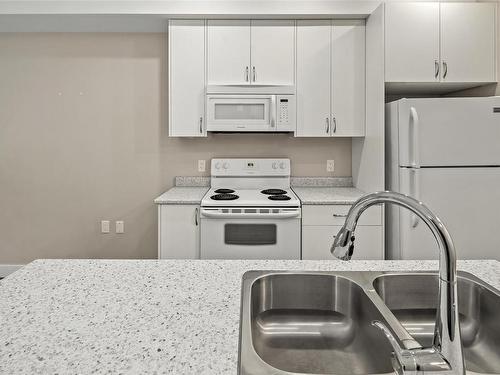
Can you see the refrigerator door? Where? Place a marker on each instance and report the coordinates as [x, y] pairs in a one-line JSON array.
[[467, 200], [449, 132]]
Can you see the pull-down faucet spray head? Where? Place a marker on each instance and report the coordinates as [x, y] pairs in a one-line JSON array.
[[343, 245]]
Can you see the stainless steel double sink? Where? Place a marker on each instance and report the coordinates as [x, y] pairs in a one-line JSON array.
[[320, 322]]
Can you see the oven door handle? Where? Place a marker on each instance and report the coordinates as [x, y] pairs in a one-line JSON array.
[[221, 215]]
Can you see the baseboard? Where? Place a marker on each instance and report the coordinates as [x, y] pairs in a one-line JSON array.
[[7, 269]]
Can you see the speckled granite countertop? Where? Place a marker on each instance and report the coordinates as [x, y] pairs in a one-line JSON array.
[[142, 316], [182, 195], [328, 195]]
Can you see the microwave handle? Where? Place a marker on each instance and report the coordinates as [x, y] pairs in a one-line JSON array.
[[273, 111]]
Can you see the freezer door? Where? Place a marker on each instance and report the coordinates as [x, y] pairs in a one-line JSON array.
[[467, 200], [449, 132]]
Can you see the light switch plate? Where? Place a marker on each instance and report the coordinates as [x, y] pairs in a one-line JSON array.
[[120, 226], [330, 165], [201, 165], [104, 226]]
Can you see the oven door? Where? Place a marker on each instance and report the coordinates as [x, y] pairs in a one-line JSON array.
[[250, 238], [240, 113]]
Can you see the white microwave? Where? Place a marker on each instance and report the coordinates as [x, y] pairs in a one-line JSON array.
[[250, 113]]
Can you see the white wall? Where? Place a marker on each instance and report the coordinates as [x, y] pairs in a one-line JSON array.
[[83, 137]]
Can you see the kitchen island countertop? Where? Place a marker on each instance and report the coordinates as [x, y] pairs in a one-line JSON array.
[[143, 316]]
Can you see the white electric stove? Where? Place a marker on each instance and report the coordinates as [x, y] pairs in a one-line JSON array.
[[250, 211]]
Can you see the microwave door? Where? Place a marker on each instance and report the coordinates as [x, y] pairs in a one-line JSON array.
[[239, 113]]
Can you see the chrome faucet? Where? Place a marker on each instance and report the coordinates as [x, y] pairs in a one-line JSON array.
[[445, 355]]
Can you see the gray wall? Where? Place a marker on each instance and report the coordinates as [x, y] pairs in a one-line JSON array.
[[83, 138]]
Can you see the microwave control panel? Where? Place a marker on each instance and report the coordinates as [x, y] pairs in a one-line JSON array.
[[285, 112]]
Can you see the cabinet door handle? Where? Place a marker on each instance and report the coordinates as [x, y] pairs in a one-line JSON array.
[[445, 69], [201, 125], [254, 74], [246, 74], [436, 69], [196, 212], [327, 130], [334, 124]]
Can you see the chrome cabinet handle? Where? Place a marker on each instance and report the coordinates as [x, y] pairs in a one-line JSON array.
[[445, 69], [196, 212], [254, 74], [339, 215], [436, 69], [327, 125], [246, 74], [201, 125], [334, 124]]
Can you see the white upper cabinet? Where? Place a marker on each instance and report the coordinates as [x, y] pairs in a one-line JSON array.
[[186, 78], [313, 78], [468, 42], [228, 52], [272, 51], [243, 52], [330, 78], [440, 43], [348, 78], [411, 42]]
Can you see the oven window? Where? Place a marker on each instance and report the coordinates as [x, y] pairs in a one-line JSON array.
[[250, 234], [240, 111]]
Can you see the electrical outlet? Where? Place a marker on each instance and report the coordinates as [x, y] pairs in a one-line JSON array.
[[104, 226], [201, 165], [120, 226], [330, 165]]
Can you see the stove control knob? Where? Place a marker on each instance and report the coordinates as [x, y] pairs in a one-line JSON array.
[[225, 165], [275, 165], [282, 165], [217, 165]]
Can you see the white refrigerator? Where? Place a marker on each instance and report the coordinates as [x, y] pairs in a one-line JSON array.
[[444, 152]]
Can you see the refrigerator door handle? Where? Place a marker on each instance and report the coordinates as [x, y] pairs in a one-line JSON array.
[[414, 143], [415, 193]]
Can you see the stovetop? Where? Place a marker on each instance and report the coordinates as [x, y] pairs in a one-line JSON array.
[[225, 197]]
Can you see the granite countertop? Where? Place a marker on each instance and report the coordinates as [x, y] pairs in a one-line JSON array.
[[142, 316], [182, 195], [328, 195]]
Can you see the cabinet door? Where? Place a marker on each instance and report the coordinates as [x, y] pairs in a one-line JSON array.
[[348, 78], [273, 52], [178, 232], [186, 71], [317, 241], [412, 41], [313, 78], [228, 52], [468, 42]]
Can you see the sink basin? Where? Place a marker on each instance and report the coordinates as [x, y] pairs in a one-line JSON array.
[[316, 324], [320, 322], [412, 298]]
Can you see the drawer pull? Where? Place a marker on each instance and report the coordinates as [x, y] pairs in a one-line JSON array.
[[339, 215]]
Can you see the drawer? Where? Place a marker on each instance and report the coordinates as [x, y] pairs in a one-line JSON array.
[[335, 214], [317, 241]]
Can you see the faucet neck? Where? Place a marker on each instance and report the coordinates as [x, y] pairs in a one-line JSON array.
[[447, 332]]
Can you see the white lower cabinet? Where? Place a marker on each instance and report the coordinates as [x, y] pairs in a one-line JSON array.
[[178, 231], [317, 241], [321, 223]]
